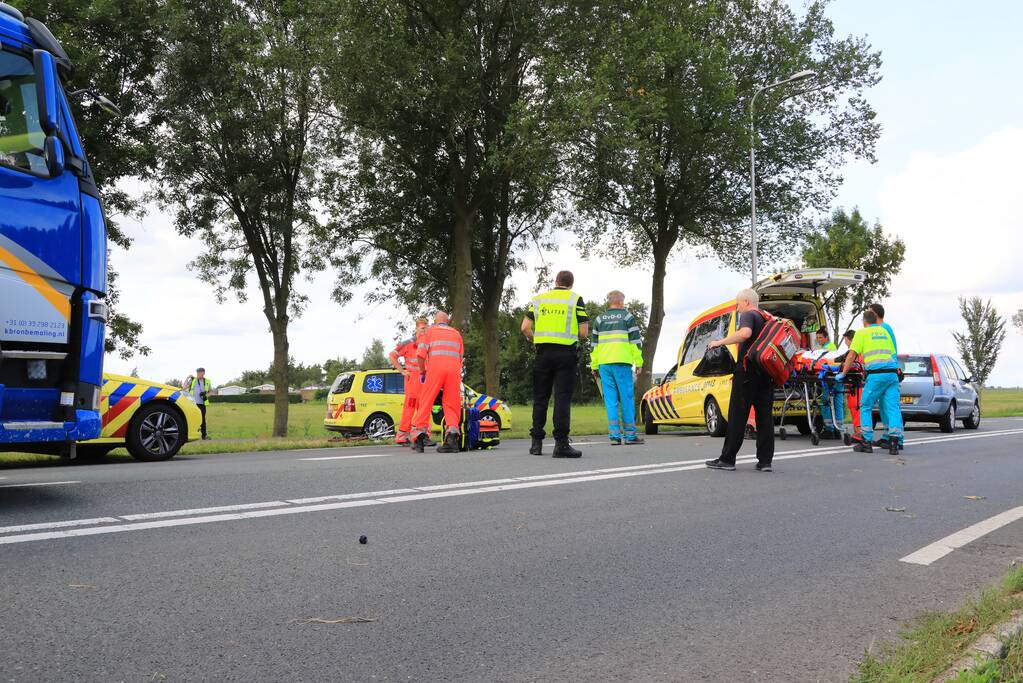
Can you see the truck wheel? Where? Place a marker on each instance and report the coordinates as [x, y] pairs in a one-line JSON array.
[[379, 426], [649, 426], [157, 432], [948, 420], [973, 421], [803, 425], [493, 416], [712, 417]]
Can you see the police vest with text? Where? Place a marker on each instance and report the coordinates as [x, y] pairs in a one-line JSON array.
[[554, 317]]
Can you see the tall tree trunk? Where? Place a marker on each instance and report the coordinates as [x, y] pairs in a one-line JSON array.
[[653, 330], [461, 280], [492, 345], [280, 375]]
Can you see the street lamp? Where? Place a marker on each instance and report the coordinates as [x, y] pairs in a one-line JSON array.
[[797, 77]]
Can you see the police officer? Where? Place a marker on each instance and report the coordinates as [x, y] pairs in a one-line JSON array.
[[198, 387], [617, 349], [554, 323], [874, 344]]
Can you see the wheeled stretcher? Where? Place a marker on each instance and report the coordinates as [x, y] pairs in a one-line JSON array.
[[812, 384]]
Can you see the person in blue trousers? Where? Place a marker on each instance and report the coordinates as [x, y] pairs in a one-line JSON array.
[[875, 346], [830, 394], [882, 426], [617, 355]]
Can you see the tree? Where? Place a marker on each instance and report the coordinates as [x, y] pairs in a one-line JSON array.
[[846, 241], [374, 357], [456, 165], [1017, 320], [981, 343], [335, 366], [657, 96], [241, 151], [116, 48]]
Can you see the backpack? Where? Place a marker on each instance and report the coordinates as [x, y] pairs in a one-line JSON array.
[[774, 351], [469, 429]]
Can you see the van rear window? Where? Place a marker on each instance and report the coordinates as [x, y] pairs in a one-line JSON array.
[[342, 384], [915, 366]]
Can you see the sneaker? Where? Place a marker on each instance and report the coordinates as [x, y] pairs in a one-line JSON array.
[[616, 441], [764, 467], [636, 441], [719, 464]]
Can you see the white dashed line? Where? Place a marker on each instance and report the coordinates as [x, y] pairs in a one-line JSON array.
[[351, 457], [937, 550], [204, 511], [38, 483]]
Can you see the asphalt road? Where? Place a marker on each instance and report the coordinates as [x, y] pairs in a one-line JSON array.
[[629, 564]]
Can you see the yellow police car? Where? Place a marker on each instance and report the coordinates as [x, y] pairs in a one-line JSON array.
[[370, 402], [152, 420], [683, 398]]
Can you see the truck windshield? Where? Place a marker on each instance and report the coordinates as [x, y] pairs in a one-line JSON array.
[[21, 137]]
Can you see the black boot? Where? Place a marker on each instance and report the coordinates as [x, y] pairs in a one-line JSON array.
[[419, 443], [450, 444], [536, 448], [563, 449], [862, 447]]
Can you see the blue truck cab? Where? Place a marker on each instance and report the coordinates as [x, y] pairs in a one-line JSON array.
[[53, 251]]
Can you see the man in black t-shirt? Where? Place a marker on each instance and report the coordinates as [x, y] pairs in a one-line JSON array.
[[750, 389]]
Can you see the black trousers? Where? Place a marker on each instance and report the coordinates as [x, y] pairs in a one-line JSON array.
[[202, 409], [750, 390], [554, 371]]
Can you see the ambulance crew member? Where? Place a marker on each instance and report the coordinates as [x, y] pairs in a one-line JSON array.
[[406, 350], [440, 355], [875, 346], [554, 323], [617, 350], [852, 394], [198, 387], [882, 426], [828, 394], [749, 389]]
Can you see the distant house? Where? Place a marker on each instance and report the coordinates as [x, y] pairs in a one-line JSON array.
[[231, 390], [263, 389]]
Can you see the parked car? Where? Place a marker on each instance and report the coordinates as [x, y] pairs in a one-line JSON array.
[[152, 420], [936, 389], [683, 398], [370, 402]]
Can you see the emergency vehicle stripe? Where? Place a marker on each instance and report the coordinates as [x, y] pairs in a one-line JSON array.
[[120, 392], [37, 282], [479, 401], [175, 396], [116, 410], [671, 405], [655, 408], [149, 395]]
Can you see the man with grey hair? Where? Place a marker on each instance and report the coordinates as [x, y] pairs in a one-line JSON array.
[[617, 349], [750, 389]]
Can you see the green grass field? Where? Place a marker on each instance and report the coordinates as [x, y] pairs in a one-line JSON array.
[[239, 427]]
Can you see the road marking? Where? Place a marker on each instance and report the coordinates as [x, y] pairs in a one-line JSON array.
[[58, 525], [352, 500], [937, 550], [38, 483], [203, 511], [351, 457]]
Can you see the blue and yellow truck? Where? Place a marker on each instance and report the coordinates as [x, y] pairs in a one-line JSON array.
[[53, 251]]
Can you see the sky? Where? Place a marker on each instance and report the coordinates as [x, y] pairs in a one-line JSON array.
[[947, 181]]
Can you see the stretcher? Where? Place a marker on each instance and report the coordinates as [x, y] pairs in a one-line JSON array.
[[812, 384]]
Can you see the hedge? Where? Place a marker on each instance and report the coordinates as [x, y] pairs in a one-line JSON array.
[[253, 398]]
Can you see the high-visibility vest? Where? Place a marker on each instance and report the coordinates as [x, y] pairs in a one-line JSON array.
[[205, 387], [554, 317], [616, 339], [875, 344], [830, 346]]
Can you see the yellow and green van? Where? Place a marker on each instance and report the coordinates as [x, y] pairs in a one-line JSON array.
[[683, 399]]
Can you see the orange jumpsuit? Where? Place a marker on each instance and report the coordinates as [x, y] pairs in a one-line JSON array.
[[440, 353], [407, 350]]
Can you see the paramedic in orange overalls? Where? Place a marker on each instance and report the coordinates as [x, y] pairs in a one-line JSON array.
[[440, 363], [406, 350], [852, 396]]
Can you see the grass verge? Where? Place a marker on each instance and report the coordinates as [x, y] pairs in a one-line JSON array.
[[940, 638], [1008, 670], [1002, 402]]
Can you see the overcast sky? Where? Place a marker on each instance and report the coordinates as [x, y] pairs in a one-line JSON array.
[[947, 181]]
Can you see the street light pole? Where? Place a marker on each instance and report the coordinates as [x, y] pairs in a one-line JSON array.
[[794, 78]]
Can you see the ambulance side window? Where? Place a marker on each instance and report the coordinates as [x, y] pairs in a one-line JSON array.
[[686, 346], [394, 383]]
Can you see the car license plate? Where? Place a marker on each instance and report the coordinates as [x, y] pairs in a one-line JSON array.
[[909, 399]]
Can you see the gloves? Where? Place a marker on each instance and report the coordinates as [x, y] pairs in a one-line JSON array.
[[840, 377]]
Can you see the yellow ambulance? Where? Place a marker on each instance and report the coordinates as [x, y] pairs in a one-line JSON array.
[[684, 399]]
